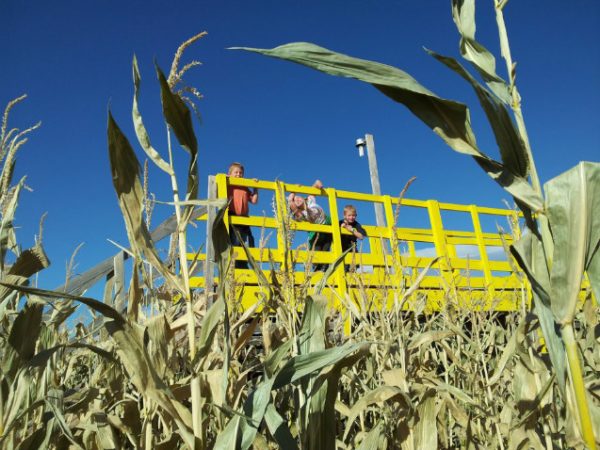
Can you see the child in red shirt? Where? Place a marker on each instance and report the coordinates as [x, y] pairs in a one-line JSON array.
[[239, 197]]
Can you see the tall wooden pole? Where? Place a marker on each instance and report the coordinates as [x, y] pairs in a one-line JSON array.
[[374, 172]]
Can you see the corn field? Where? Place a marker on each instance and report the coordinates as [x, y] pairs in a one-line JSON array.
[[161, 365]]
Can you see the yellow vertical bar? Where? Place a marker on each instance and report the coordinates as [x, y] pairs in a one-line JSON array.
[[439, 240], [336, 246], [487, 272], [221, 180]]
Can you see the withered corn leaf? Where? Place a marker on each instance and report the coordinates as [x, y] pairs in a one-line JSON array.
[[125, 170], [179, 118]]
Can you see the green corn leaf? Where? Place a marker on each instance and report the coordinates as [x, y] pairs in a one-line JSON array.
[[241, 430], [463, 13], [573, 205], [300, 366], [512, 148], [448, 119], [279, 429], [313, 328], [276, 357], [529, 254], [140, 128]]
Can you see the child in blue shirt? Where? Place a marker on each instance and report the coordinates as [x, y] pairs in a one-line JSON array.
[[357, 232]]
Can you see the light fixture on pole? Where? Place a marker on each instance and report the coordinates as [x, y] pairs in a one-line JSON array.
[[373, 171], [360, 145]]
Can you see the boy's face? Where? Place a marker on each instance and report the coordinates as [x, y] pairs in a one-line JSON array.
[[236, 172], [349, 216]]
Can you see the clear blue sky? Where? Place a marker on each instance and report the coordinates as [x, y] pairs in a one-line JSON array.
[[73, 59]]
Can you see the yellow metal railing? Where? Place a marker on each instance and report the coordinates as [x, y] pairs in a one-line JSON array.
[[395, 255]]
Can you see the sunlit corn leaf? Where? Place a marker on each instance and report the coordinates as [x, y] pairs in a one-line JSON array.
[[573, 205], [41, 358], [428, 337], [463, 13], [94, 304], [532, 407], [529, 254], [30, 262], [140, 128], [17, 403], [507, 353], [7, 230], [330, 270], [448, 119], [126, 180], [159, 338], [379, 396], [262, 279], [374, 439], [512, 148], [425, 433]]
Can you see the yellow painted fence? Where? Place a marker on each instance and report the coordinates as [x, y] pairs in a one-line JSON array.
[[392, 258]]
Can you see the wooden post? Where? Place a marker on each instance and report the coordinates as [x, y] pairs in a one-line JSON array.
[[374, 172], [209, 263]]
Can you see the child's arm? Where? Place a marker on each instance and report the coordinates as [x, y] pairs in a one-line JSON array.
[[354, 230], [317, 184], [254, 194]]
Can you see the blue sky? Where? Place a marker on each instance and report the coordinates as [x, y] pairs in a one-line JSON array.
[[73, 59]]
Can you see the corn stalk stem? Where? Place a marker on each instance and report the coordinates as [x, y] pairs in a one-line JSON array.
[[518, 114], [191, 323], [576, 378]]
